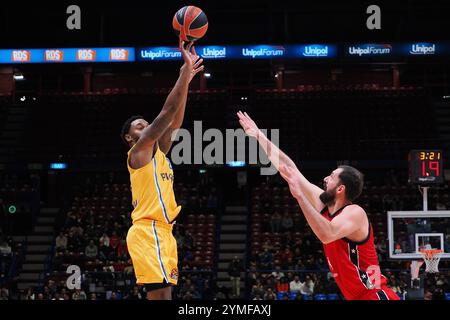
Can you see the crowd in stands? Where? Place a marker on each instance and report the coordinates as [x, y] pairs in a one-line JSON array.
[[286, 260], [92, 236]]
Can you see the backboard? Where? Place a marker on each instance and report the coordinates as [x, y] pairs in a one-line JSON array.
[[411, 231]]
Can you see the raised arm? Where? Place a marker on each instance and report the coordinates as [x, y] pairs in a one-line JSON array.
[[279, 158], [165, 141], [173, 103], [345, 224]]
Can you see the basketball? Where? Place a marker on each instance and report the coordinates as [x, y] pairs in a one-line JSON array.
[[190, 23]]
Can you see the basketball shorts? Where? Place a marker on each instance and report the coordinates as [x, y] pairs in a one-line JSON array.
[[153, 251], [385, 293]]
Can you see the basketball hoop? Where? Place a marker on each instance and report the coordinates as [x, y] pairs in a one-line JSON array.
[[431, 257]]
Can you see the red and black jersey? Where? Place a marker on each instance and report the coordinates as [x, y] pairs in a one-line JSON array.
[[354, 265]]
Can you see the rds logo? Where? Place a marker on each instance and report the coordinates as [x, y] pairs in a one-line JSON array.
[[86, 55], [118, 54], [54, 55], [21, 56]]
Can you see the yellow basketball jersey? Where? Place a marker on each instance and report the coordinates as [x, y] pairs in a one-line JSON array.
[[152, 190]]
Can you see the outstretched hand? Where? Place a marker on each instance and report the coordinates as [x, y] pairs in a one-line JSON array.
[[290, 175], [192, 62], [248, 124]]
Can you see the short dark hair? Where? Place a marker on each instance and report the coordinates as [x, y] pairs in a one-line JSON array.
[[353, 180], [126, 127]]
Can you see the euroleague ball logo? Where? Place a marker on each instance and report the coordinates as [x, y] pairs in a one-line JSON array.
[[174, 274]]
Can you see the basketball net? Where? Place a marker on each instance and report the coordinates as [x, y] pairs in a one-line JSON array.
[[431, 258]]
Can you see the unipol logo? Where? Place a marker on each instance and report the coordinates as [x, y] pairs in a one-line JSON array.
[[214, 52], [21, 56], [423, 49], [118, 54], [315, 51], [86, 55], [53, 55]]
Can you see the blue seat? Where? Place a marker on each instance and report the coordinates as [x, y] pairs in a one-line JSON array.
[[320, 297], [306, 297], [292, 295], [447, 296], [333, 296], [280, 295]]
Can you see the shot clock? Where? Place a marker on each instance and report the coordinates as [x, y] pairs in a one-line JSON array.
[[426, 167]]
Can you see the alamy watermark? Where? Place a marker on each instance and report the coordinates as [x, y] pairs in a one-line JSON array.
[[74, 280], [234, 145]]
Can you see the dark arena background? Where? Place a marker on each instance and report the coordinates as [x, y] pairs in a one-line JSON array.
[[337, 91]]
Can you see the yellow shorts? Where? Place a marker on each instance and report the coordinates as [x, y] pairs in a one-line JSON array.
[[153, 250]]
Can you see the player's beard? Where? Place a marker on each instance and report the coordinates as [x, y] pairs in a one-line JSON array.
[[328, 197]]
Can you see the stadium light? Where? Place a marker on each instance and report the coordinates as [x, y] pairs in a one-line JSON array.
[[18, 77], [235, 164], [58, 166]]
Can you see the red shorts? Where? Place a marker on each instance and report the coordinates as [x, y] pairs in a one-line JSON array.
[[385, 293]]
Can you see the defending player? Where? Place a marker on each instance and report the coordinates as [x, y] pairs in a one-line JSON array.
[[342, 227]]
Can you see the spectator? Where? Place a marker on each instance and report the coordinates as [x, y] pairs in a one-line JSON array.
[[109, 266], [275, 222], [30, 294], [61, 241], [257, 289], [57, 296], [79, 295], [113, 296], [308, 287], [91, 250], [282, 285], [122, 249], [234, 271], [4, 247], [77, 230], [114, 241], [269, 295], [296, 285], [105, 250], [104, 240], [285, 256], [93, 296], [277, 274], [266, 259], [208, 292], [440, 205], [428, 295], [134, 294], [128, 270], [286, 222], [4, 294]]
